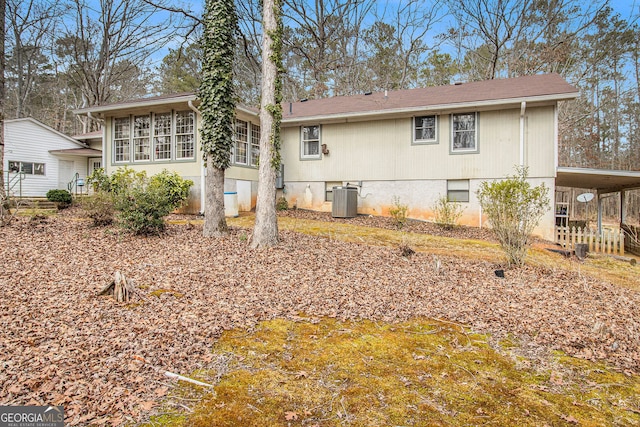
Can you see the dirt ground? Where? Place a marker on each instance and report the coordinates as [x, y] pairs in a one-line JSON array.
[[62, 344]]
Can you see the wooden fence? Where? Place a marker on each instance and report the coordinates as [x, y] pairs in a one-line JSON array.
[[609, 241]]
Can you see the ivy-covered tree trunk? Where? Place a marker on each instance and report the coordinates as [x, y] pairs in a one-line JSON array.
[[265, 231], [217, 105]]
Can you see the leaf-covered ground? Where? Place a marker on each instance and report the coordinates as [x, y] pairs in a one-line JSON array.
[[62, 344]]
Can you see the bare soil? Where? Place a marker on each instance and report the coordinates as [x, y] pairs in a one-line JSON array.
[[62, 344]]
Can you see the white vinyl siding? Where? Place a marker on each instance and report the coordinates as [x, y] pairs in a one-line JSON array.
[[28, 145]]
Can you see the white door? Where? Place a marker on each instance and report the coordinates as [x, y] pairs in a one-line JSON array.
[[65, 173], [94, 164]]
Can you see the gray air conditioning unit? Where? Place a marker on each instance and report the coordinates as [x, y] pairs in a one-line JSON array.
[[345, 202]]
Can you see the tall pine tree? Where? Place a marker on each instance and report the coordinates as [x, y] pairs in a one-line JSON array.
[[217, 105]]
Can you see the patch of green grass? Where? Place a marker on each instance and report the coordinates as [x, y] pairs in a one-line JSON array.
[[327, 372]]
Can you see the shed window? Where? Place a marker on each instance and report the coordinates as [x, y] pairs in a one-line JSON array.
[[458, 190]]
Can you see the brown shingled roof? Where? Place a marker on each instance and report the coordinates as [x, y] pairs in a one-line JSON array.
[[551, 86]]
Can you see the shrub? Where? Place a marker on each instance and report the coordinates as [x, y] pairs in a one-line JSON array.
[[144, 203], [447, 212], [514, 209], [282, 204], [100, 208], [399, 212], [62, 198]]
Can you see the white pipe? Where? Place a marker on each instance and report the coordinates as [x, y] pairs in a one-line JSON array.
[[523, 107], [203, 170]]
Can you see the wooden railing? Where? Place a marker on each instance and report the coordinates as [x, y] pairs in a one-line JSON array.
[[609, 241]]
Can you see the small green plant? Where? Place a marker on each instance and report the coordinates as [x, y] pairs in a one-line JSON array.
[[514, 209], [62, 198], [146, 201], [399, 212], [447, 212], [282, 204], [100, 208]]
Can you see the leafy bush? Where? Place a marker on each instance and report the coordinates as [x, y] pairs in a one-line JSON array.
[[118, 183], [282, 204], [100, 208], [399, 212], [145, 202], [447, 212], [62, 198], [514, 209]]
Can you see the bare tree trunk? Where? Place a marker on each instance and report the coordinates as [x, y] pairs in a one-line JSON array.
[[215, 224], [265, 231], [2, 65]]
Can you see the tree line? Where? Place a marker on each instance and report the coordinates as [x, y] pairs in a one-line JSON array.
[[63, 55]]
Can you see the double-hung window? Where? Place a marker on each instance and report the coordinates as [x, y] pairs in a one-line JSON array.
[[425, 130], [464, 138], [255, 144], [141, 138], [310, 142], [185, 135], [121, 139], [241, 142], [162, 136]]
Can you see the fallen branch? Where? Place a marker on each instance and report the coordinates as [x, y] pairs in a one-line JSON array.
[[630, 260], [187, 379], [121, 288]]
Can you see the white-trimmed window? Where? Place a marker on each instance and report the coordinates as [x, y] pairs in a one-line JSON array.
[[458, 190], [142, 138], [255, 144], [464, 136], [241, 142], [28, 168], [122, 139], [310, 142], [425, 129], [162, 136], [185, 136]]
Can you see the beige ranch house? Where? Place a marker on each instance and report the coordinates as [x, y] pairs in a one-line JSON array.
[[414, 145]]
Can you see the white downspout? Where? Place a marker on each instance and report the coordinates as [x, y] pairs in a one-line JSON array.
[[203, 170], [523, 107]]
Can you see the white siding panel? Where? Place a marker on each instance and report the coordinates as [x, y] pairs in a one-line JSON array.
[[27, 141]]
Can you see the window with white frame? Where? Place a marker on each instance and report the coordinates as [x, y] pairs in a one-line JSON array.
[[162, 136], [255, 144], [458, 190], [141, 138], [310, 142], [122, 139], [29, 168], [185, 135], [241, 142], [464, 132], [425, 129]]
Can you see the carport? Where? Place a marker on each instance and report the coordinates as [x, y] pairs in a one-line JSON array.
[[602, 182]]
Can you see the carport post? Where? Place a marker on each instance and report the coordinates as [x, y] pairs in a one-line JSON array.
[[623, 207], [599, 213]]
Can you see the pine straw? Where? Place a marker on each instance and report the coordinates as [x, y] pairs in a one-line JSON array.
[[104, 361]]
